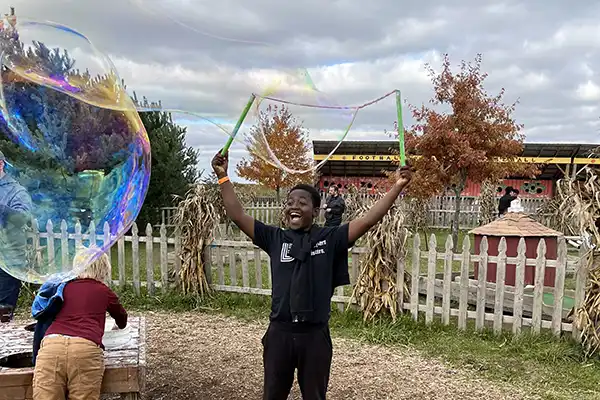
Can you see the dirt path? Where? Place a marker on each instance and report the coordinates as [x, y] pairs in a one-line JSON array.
[[205, 357]]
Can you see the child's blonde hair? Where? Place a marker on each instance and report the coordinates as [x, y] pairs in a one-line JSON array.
[[99, 269]]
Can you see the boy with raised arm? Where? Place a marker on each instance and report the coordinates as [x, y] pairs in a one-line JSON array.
[[307, 263]]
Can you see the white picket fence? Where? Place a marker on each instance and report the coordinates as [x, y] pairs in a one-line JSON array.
[[441, 213], [439, 291]]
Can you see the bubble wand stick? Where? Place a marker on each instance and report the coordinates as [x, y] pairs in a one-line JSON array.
[[400, 129], [238, 124]]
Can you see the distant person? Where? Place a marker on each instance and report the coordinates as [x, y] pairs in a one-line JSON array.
[[70, 361], [334, 207], [510, 194], [15, 206]]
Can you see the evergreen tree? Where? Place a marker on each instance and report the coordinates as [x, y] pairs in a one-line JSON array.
[[174, 165]]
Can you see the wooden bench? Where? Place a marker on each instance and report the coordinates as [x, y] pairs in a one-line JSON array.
[[125, 371]]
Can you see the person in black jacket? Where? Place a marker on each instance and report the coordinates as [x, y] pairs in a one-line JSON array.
[[504, 204], [334, 207]]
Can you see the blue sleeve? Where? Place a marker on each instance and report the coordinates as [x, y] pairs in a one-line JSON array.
[[341, 276], [265, 236], [20, 202]]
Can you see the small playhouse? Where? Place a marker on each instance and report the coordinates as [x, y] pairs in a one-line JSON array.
[[513, 226]]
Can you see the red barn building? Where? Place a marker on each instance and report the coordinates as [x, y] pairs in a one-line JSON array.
[[363, 164]]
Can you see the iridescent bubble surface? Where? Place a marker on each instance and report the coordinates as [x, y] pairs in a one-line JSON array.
[[75, 161]]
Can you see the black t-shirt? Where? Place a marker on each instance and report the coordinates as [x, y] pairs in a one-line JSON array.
[[329, 263]]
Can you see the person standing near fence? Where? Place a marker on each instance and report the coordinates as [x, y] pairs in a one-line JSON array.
[[307, 263], [334, 207], [15, 206], [510, 194]]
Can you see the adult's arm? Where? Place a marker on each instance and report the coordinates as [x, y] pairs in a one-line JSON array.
[[360, 226], [18, 208]]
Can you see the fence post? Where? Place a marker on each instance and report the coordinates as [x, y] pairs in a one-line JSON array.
[[431, 267], [92, 235], [149, 260], [164, 270], [519, 287], [580, 283], [414, 279], [50, 245], [482, 284], [135, 258], [559, 286], [208, 264], [464, 283], [538, 287], [36, 242], [78, 235], [106, 241], [500, 280], [121, 261], [64, 245], [447, 285], [177, 266]]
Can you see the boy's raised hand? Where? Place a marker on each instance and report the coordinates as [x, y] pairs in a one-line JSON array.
[[220, 164], [404, 175]]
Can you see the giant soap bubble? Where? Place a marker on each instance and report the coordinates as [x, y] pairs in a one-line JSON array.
[[75, 155]]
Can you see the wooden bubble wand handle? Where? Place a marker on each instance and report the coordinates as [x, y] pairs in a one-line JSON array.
[[238, 125]]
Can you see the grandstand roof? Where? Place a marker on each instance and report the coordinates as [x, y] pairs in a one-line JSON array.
[[371, 158]]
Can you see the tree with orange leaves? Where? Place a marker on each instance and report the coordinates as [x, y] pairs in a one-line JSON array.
[[477, 139], [288, 140]]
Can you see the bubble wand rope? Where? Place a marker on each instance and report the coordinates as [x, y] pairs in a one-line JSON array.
[[400, 129], [238, 125]]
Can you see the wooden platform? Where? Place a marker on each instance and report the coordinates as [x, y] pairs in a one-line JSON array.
[[125, 367]]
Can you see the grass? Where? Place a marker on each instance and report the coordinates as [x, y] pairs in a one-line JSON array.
[[549, 367]]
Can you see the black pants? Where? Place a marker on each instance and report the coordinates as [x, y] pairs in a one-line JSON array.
[[287, 347]]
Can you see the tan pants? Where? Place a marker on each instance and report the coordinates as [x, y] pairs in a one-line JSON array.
[[68, 368]]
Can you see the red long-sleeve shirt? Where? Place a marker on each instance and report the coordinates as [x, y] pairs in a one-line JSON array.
[[83, 313]]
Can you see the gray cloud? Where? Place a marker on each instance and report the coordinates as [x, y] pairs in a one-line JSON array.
[[544, 53]]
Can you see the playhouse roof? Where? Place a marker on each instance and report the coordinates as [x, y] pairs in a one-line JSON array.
[[515, 224]]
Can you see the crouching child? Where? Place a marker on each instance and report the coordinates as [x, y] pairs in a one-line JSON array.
[[307, 263], [71, 316]]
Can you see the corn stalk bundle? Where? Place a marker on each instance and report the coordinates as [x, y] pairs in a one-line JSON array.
[[196, 220], [375, 289], [574, 211], [566, 211], [354, 199], [487, 203], [416, 212]]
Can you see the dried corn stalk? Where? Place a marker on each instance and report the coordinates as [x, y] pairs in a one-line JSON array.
[[416, 211], [487, 203], [574, 211], [196, 220], [375, 289]]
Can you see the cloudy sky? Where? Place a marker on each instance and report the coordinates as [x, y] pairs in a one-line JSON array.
[[207, 56]]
